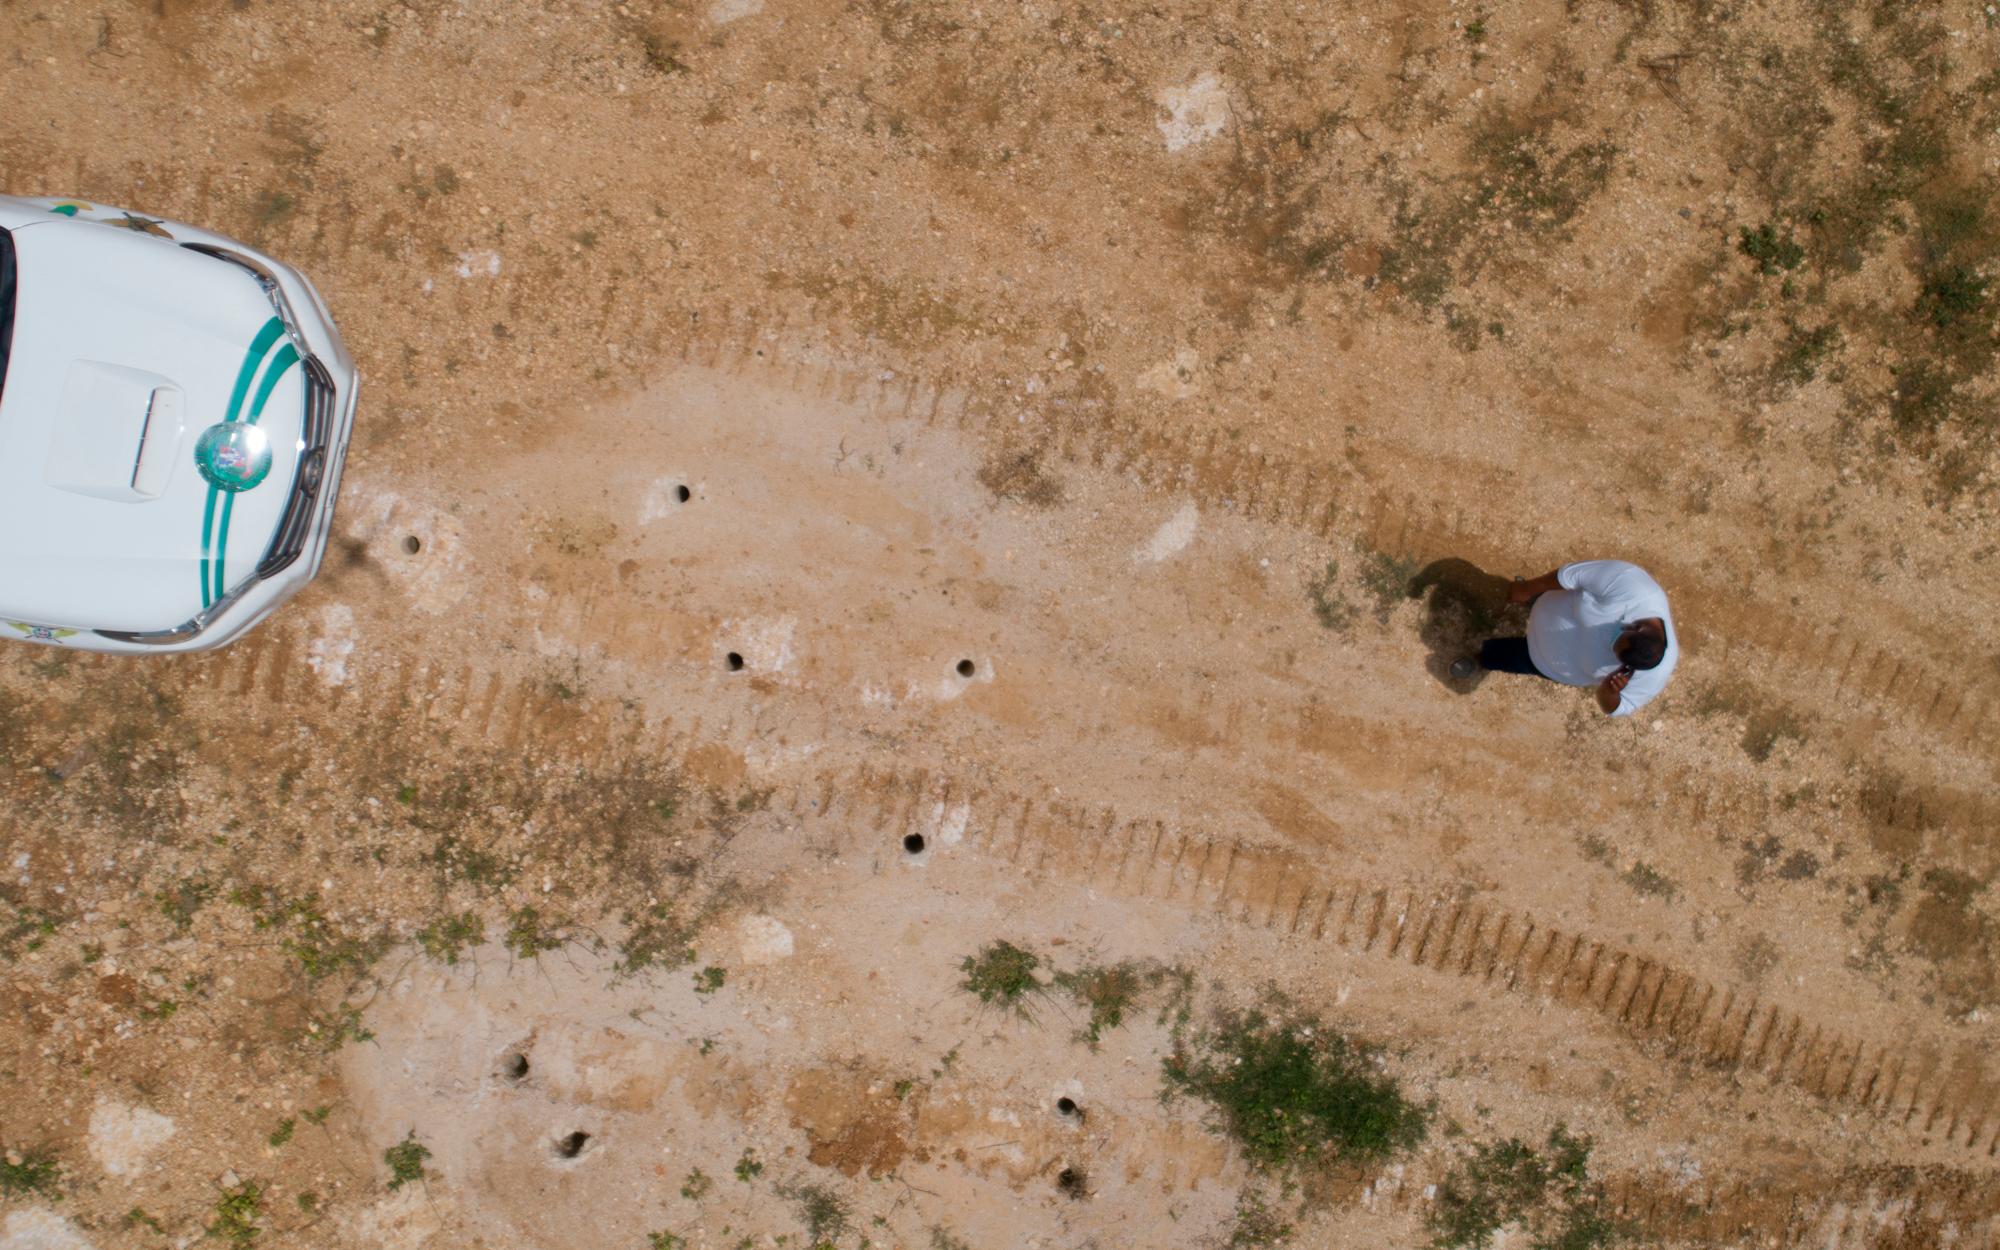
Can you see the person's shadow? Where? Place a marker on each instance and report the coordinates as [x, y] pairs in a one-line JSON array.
[[1463, 604]]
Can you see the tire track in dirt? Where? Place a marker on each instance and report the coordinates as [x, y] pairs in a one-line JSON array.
[[1042, 833], [1723, 1027], [1859, 676]]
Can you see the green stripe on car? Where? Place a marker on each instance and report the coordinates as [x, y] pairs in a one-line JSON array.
[[272, 331], [287, 356]]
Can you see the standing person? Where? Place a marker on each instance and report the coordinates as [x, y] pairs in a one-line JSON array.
[[1602, 623]]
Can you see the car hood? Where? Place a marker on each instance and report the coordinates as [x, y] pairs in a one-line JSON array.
[[126, 349]]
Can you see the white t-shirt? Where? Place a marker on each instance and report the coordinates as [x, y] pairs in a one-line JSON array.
[[1570, 631]]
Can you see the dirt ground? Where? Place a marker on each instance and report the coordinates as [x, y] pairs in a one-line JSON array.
[[839, 485]]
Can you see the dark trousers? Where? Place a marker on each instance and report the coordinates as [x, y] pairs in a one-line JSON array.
[[1508, 655]]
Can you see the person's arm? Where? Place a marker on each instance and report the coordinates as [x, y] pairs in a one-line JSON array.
[[1611, 691], [1525, 590]]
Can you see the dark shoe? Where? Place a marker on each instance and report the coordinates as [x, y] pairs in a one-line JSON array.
[[1463, 667]]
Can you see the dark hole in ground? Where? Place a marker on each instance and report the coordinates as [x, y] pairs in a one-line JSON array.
[[571, 1146], [735, 662], [514, 1065], [683, 494], [913, 843], [1073, 1183], [412, 544], [966, 668], [1066, 1105]]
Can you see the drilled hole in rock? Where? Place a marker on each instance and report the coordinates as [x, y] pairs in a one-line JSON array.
[[913, 843], [1073, 1183], [1066, 1106], [514, 1065], [412, 545], [571, 1146], [966, 668], [683, 494], [735, 661]]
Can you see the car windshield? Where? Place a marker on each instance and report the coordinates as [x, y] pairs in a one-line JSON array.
[[6, 302]]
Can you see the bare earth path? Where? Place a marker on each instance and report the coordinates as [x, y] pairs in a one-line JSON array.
[[839, 486]]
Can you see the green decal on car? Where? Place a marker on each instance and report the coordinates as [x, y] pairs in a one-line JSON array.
[[232, 455]]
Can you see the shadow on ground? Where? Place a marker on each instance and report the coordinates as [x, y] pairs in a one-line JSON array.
[[1463, 604]]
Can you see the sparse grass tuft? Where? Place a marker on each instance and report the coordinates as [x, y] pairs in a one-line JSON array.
[[1649, 881], [180, 901], [1387, 580], [446, 938], [1003, 973], [821, 1210], [665, 1241], [406, 1161], [25, 929], [695, 1185], [527, 936], [1109, 992], [657, 938], [1773, 252], [1292, 1092], [283, 1133], [1547, 1193], [1257, 1225], [710, 979], [1334, 613], [747, 1168], [236, 1214], [30, 1172]]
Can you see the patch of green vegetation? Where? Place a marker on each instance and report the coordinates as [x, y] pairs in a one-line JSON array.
[[528, 936], [331, 1035], [1594, 847], [1109, 991], [1257, 1226], [137, 1218], [317, 1115], [274, 208], [1333, 612], [1003, 974], [25, 929], [696, 1185], [455, 856], [406, 1160], [657, 938], [1547, 1193], [1648, 880], [747, 1168], [236, 1212], [1803, 351], [1293, 1092], [1773, 252], [308, 1201], [180, 901], [283, 1133], [1951, 295], [821, 1211], [1767, 728], [320, 947], [30, 1172], [1387, 580], [941, 1239], [665, 1241], [710, 979], [446, 938]]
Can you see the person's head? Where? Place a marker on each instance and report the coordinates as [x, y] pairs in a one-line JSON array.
[[1642, 646]]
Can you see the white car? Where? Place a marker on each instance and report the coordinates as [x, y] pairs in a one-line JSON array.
[[174, 413]]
